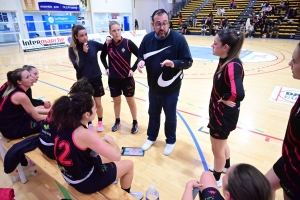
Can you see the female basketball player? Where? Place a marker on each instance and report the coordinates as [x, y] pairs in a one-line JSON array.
[[48, 131], [120, 73], [74, 143], [35, 76], [242, 181], [227, 92], [285, 173], [83, 55], [18, 117]]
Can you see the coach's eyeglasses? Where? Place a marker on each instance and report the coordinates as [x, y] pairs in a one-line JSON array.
[[163, 25]]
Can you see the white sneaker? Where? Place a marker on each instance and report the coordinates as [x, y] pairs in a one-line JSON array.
[[219, 183], [137, 195], [211, 168], [147, 145], [91, 127], [169, 149]]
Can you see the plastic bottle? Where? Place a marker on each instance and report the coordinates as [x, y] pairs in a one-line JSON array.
[[28, 173], [152, 193]]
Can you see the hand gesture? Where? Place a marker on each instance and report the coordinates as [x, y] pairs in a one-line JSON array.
[[85, 47], [167, 63], [47, 104], [228, 103], [130, 74], [141, 65], [108, 40]]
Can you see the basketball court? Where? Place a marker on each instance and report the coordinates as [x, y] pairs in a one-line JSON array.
[[270, 93]]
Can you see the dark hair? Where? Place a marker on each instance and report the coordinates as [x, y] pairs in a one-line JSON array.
[[235, 41], [28, 67], [248, 183], [74, 42], [159, 12], [12, 78], [68, 111], [83, 86]]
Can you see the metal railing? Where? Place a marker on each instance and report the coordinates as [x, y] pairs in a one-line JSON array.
[[178, 7]]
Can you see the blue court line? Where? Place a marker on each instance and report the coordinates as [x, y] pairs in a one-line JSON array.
[[204, 163], [53, 85], [40, 98]]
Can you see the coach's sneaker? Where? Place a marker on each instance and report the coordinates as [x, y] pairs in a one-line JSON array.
[[137, 195], [219, 183], [211, 168], [135, 128], [91, 127], [147, 145], [169, 149], [100, 126], [115, 127]]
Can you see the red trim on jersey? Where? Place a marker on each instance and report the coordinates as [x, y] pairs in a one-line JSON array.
[[230, 67], [82, 149]]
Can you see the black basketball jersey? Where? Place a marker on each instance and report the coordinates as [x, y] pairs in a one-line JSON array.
[[227, 85], [74, 163], [119, 57], [10, 113], [3, 88], [47, 135], [291, 147]]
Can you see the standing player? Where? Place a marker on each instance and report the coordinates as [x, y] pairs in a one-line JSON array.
[[74, 144], [165, 53], [18, 117], [83, 55], [226, 95], [120, 74], [285, 173]]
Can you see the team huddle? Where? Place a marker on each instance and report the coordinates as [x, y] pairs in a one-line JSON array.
[[90, 163]]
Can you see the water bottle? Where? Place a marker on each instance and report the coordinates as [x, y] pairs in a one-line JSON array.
[[28, 173], [152, 193]]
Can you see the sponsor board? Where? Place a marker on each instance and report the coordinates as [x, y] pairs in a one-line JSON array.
[[285, 95], [37, 44]]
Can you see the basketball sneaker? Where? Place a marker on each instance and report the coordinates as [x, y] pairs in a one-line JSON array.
[[135, 128], [137, 195], [115, 127], [100, 126], [91, 127], [211, 168]]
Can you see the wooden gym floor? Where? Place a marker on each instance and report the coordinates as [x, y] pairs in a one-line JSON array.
[[257, 139]]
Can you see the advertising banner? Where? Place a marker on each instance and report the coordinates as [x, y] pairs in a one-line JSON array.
[[37, 44], [60, 20], [57, 5]]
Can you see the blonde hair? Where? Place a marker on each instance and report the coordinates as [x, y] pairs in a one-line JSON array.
[[74, 42], [235, 42], [112, 23]]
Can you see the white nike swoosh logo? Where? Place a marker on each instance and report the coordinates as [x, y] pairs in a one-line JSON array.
[[163, 83], [147, 55]]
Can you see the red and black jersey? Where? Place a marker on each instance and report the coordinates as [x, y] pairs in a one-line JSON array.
[[10, 113], [291, 147], [119, 57], [227, 85], [74, 163], [3, 88]]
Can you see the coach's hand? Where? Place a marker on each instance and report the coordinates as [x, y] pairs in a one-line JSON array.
[[141, 65], [167, 63]]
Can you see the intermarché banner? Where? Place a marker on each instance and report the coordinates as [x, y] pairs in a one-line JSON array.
[[37, 44]]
